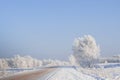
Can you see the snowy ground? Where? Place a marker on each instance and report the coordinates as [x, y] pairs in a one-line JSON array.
[[102, 73], [72, 73], [66, 74], [111, 72]]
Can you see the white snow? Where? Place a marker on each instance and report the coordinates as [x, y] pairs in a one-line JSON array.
[[67, 74], [77, 73], [109, 73]]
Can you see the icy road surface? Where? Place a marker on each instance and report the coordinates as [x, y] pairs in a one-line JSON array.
[[59, 73], [29, 75]]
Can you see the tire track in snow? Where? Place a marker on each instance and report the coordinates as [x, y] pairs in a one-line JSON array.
[[66, 74], [49, 75]]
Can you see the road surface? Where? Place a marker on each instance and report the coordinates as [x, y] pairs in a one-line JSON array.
[[31, 75]]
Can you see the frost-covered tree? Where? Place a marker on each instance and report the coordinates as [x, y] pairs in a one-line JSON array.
[[20, 62], [86, 51], [28, 62], [3, 64], [72, 60], [50, 62]]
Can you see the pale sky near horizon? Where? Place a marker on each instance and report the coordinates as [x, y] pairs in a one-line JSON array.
[[47, 28]]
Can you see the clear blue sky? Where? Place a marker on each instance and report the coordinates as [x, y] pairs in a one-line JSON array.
[[47, 28]]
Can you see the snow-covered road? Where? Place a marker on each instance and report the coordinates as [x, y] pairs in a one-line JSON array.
[[58, 73], [67, 73]]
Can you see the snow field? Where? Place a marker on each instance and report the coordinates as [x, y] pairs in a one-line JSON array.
[[102, 73]]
